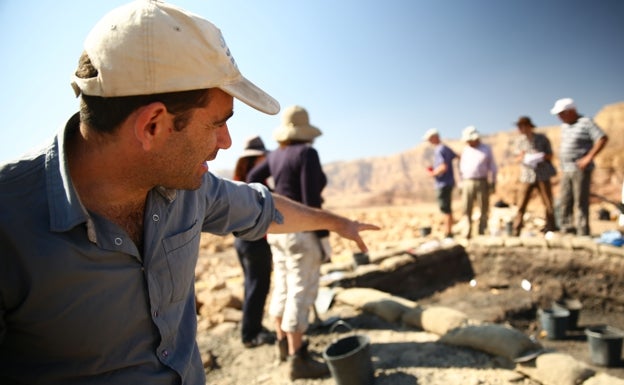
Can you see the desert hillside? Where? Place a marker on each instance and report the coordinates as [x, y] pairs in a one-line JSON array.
[[401, 178]]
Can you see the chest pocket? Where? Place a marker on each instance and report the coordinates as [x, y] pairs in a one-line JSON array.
[[181, 252]]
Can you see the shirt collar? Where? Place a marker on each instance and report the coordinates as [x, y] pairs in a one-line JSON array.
[[66, 210]]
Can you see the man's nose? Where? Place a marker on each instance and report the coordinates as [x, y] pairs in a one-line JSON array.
[[224, 140]]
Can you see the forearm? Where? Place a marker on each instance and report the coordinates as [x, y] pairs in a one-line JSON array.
[[598, 146], [298, 217], [441, 169]]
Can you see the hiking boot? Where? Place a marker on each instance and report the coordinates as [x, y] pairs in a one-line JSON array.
[[264, 337], [282, 349], [301, 365]]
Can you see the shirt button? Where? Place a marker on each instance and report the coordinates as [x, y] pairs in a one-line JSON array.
[[156, 313], [118, 241], [165, 353], [155, 218]]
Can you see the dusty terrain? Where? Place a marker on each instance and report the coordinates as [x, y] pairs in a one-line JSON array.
[[400, 355]]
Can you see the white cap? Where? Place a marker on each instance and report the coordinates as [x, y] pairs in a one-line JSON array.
[[470, 133], [150, 47], [562, 105], [430, 132]]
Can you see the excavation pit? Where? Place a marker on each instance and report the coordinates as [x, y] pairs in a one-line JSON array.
[[506, 281]]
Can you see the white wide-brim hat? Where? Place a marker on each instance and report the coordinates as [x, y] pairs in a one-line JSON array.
[[150, 47], [296, 126]]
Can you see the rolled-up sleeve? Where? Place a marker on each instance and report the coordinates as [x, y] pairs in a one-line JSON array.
[[246, 210]]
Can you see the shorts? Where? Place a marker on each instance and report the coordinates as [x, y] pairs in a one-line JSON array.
[[443, 196]]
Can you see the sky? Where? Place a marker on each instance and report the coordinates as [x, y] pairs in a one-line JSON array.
[[373, 75]]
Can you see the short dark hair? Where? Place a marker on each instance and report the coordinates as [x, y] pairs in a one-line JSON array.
[[105, 114]]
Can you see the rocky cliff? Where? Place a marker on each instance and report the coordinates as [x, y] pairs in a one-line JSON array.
[[401, 178]]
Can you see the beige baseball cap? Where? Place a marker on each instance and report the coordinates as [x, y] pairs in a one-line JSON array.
[[151, 47]]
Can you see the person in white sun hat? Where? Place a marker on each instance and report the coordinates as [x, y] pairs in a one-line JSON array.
[[100, 229], [478, 171], [581, 141], [296, 170]]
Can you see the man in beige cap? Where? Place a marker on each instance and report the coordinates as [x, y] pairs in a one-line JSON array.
[[296, 169], [100, 230], [581, 141]]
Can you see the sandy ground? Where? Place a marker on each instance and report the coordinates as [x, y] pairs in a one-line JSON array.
[[399, 355]]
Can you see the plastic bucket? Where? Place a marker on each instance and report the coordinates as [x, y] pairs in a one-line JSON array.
[[555, 322], [605, 345], [424, 231], [349, 361], [574, 306], [360, 259], [509, 228]]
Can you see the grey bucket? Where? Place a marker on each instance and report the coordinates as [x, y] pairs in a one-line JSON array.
[[605, 345], [555, 322], [574, 306], [349, 361], [360, 259], [424, 231]]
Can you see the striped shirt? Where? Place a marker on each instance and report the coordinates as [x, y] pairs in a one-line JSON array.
[[576, 141]]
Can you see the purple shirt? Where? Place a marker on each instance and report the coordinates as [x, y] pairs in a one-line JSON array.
[[443, 154]]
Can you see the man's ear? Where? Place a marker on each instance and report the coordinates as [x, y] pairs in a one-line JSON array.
[[152, 124]]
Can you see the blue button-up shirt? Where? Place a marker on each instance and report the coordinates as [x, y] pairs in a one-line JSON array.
[[79, 304], [443, 154]]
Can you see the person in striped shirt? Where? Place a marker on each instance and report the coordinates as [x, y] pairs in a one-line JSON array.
[[581, 141]]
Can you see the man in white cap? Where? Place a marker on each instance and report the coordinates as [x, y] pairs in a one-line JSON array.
[[477, 170], [100, 230], [442, 172], [581, 141]]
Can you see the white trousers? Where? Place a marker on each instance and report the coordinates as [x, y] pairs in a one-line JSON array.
[[296, 273]]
